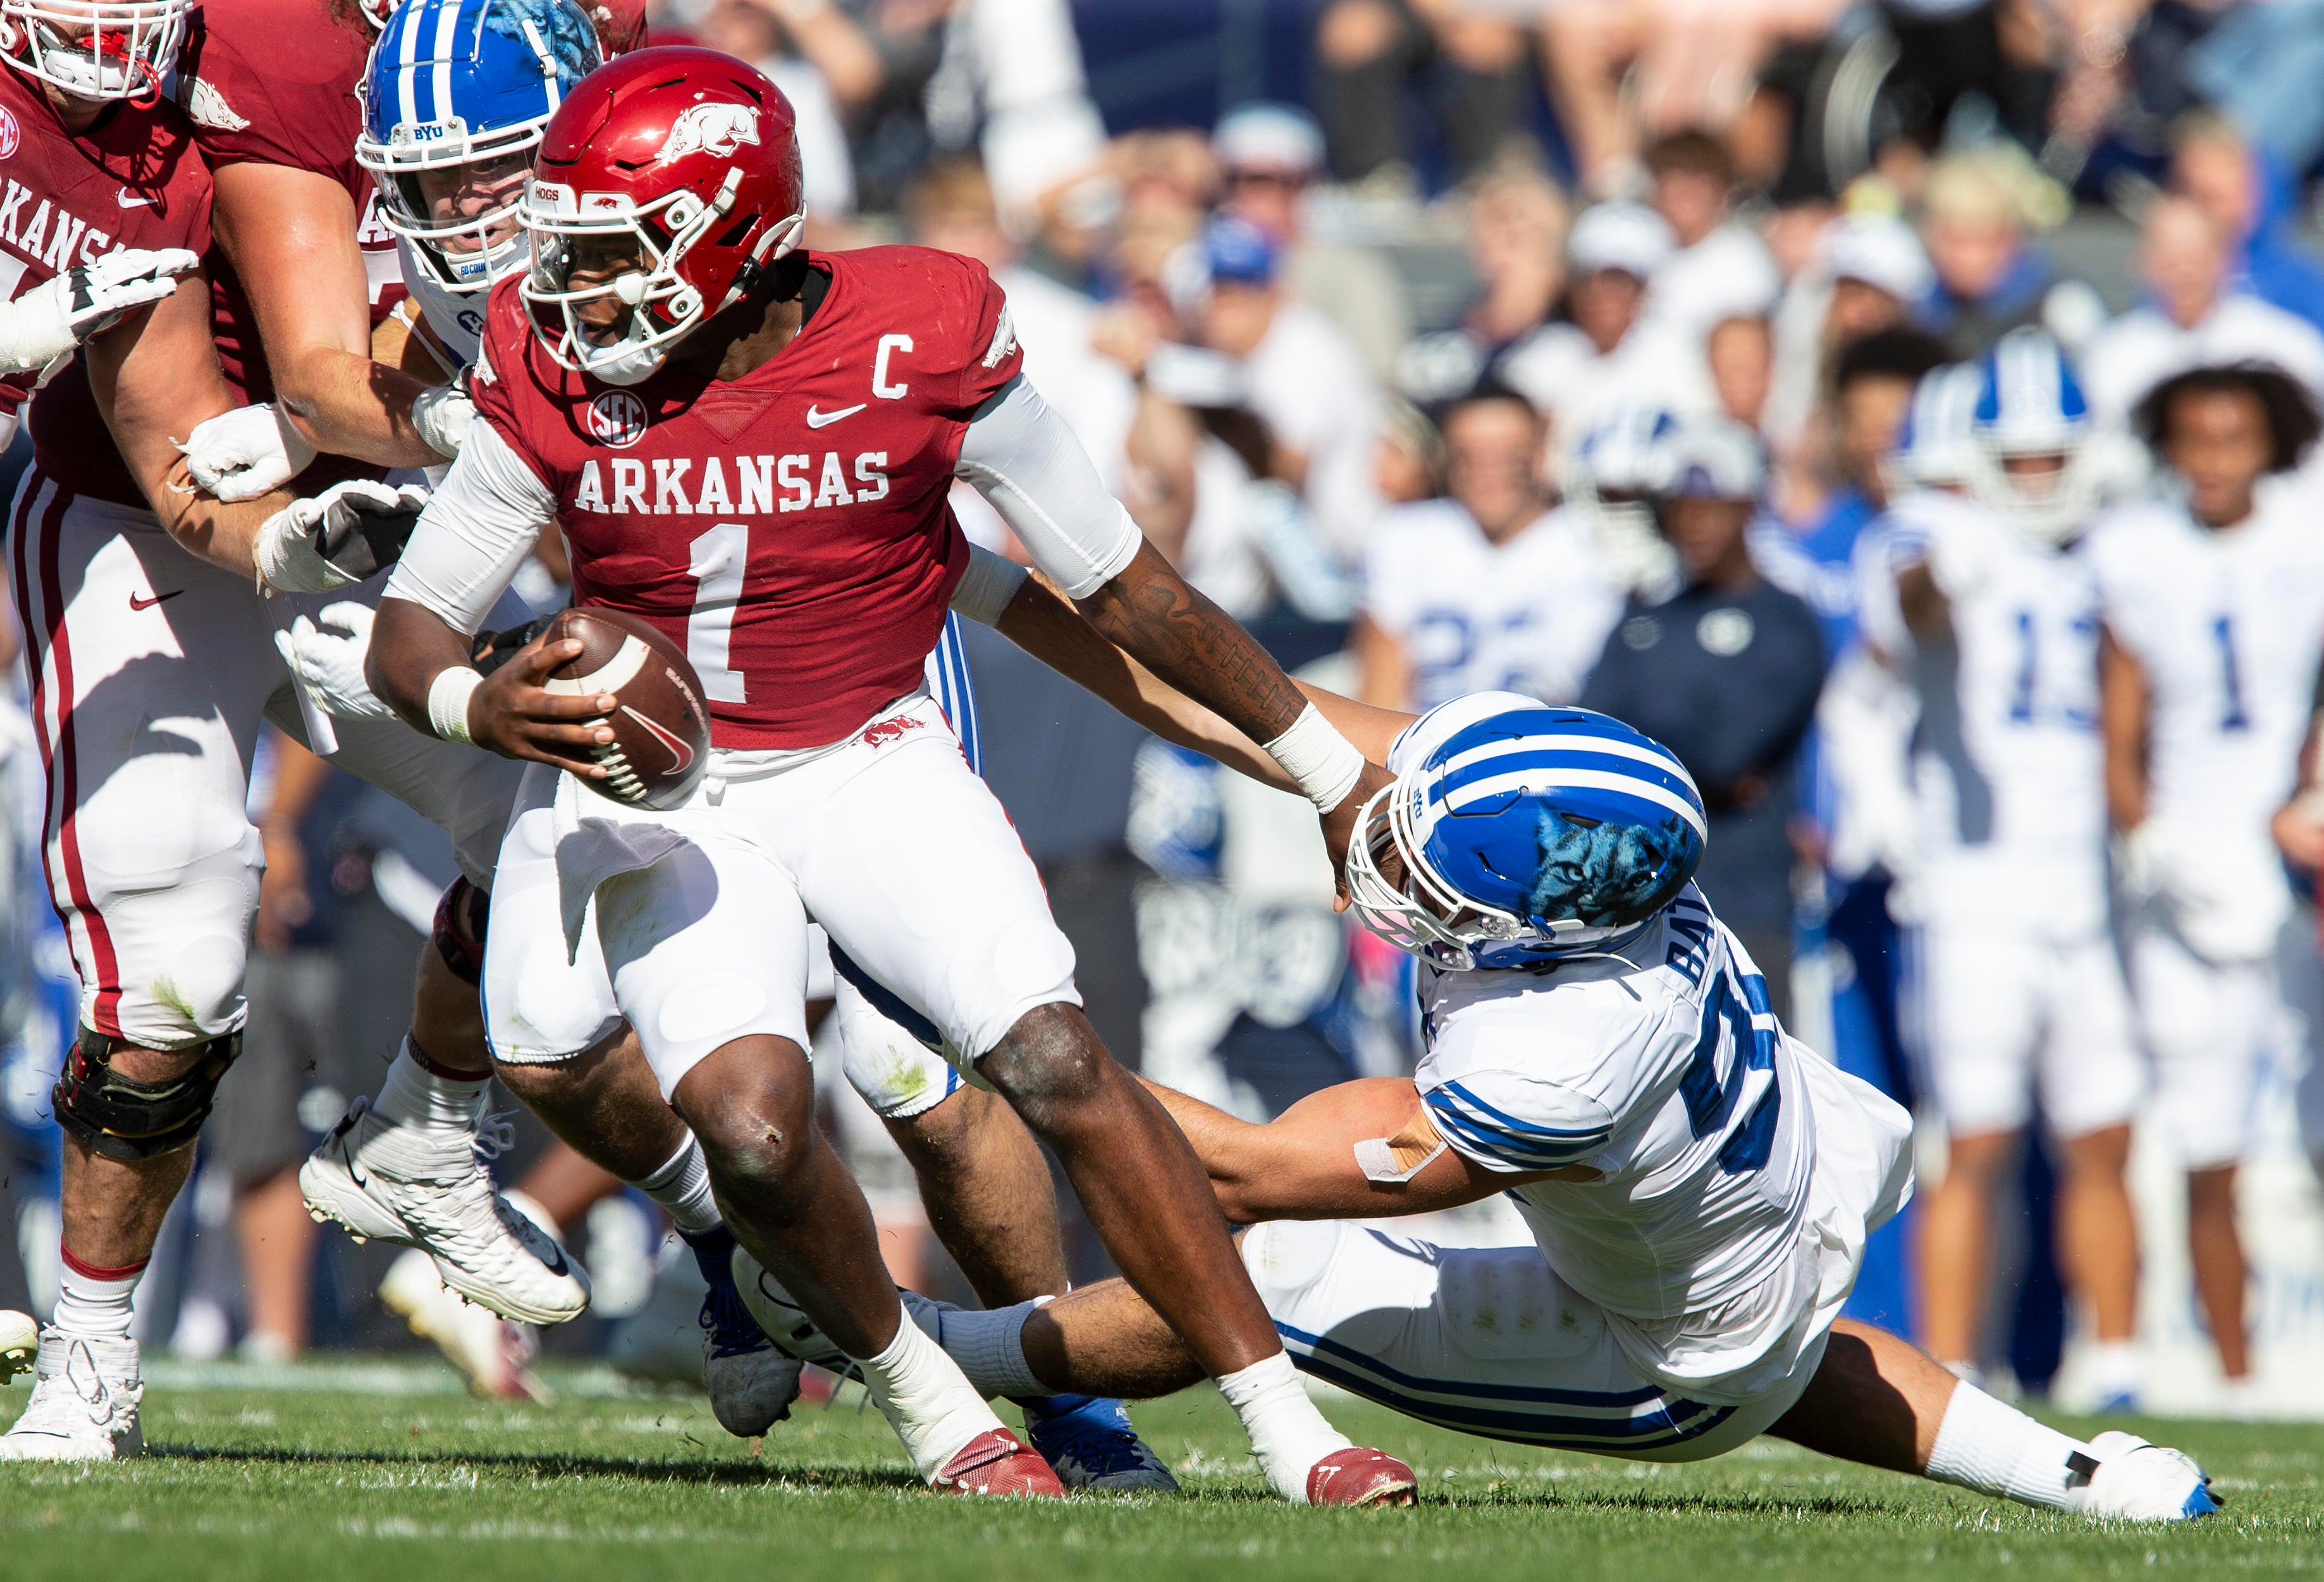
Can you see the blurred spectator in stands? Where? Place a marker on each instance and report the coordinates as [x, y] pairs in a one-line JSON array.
[[1716, 269], [1410, 463], [1741, 355], [1472, 63], [2190, 317], [1866, 275], [1518, 222], [2251, 198], [1609, 355], [1488, 588], [950, 206], [1267, 155], [918, 80], [1298, 372], [1872, 386], [750, 31], [255, 1134], [1726, 675], [1978, 210]]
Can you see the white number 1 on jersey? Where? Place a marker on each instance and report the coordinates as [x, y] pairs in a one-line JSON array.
[[716, 561]]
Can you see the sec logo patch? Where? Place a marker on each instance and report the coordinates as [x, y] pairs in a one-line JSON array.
[[617, 419], [10, 134]]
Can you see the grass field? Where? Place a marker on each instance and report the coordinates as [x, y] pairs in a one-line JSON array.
[[351, 1471]]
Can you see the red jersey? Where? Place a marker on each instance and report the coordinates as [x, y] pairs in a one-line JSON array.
[[133, 180], [274, 82], [789, 529]]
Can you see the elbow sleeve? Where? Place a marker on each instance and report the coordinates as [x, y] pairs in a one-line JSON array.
[[1027, 463]]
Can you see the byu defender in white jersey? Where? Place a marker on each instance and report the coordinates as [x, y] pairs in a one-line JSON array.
[[1988, 611], [1699, 1186], [2213, 600], [1488, 587]]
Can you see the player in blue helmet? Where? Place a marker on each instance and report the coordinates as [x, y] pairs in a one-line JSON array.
[[1699, 1186], [454, 99], [2030, 457]]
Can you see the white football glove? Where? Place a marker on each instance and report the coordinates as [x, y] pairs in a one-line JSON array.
[[328, 661], [56, 315], [441, 415], [242, 454], [338, 538]]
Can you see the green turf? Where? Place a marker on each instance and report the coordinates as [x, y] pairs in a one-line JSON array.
[[299, 1476]]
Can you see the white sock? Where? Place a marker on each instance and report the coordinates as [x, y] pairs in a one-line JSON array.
[[1287, 1434], [93, 1302], [2114, 1367], [1997, 1450], [682, 1186], [989, 1347], [414, 1096], [921, 1392]]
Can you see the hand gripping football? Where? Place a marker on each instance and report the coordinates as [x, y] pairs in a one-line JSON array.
[[661, 727]]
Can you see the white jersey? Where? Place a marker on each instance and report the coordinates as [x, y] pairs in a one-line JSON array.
[[2007, 765], [1664, 1070], [2227, 626], [1529, 614]]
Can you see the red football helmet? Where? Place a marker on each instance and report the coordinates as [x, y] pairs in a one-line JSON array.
[[685, 162]]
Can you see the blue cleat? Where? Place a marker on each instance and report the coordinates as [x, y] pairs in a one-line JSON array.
[[752, 1384], [1088, 1439]]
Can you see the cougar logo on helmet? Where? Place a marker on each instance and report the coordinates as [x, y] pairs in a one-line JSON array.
[[713, 129]]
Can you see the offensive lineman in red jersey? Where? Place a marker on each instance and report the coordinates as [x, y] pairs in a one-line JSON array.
[[654, 365], [153, 671]]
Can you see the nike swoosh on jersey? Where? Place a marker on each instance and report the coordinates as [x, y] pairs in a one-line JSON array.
[[146, 603], [815, 419], [142, 200]]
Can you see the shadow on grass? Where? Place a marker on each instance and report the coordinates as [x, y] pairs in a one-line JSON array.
[[861, 1479]]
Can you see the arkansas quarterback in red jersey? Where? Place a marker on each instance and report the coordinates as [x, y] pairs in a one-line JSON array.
[[751, 447]]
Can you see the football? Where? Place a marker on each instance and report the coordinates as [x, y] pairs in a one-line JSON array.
[[661, 727]]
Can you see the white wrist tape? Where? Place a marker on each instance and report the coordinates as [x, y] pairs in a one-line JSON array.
[[448, 702], [1325, 764], [986, 587]]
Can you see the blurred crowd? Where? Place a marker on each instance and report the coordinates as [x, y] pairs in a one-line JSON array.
[[1390, 364]]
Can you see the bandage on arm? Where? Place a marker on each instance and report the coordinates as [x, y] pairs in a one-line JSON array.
[[1028, 464], [479, 526]]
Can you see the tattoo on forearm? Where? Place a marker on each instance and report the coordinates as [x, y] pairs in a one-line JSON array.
[[1198, 648]]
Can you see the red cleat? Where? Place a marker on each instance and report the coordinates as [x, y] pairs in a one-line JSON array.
[[996, 1462], [1359, 1476]]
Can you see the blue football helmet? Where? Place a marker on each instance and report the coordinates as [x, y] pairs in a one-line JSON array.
[[454, 99], [1932, 445], [1526, 834], [2029, 409]]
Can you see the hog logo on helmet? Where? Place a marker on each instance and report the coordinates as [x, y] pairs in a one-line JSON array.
[[880, 732], [713, 129]]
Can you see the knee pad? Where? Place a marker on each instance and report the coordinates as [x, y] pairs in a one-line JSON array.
[[110, 1115], [458, 933]]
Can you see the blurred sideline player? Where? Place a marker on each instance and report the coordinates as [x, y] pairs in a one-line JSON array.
[[664, 206], [1986, 610], [1699, 1186], [450, 188], [2213, 595], [132, 643], [1488, 587]]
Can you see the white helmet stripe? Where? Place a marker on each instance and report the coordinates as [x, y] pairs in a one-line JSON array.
[[1579, 779], [447, 27], [1548, 743]]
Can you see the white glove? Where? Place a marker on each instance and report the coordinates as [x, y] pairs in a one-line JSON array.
[[2139, 861], [338, 538], [328, 661], [56, 315], [441, 413], [242, 454]]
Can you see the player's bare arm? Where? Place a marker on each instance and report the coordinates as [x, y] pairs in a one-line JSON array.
[[154, 376], [1357, 1150], [2122, 714], [290, 234]]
